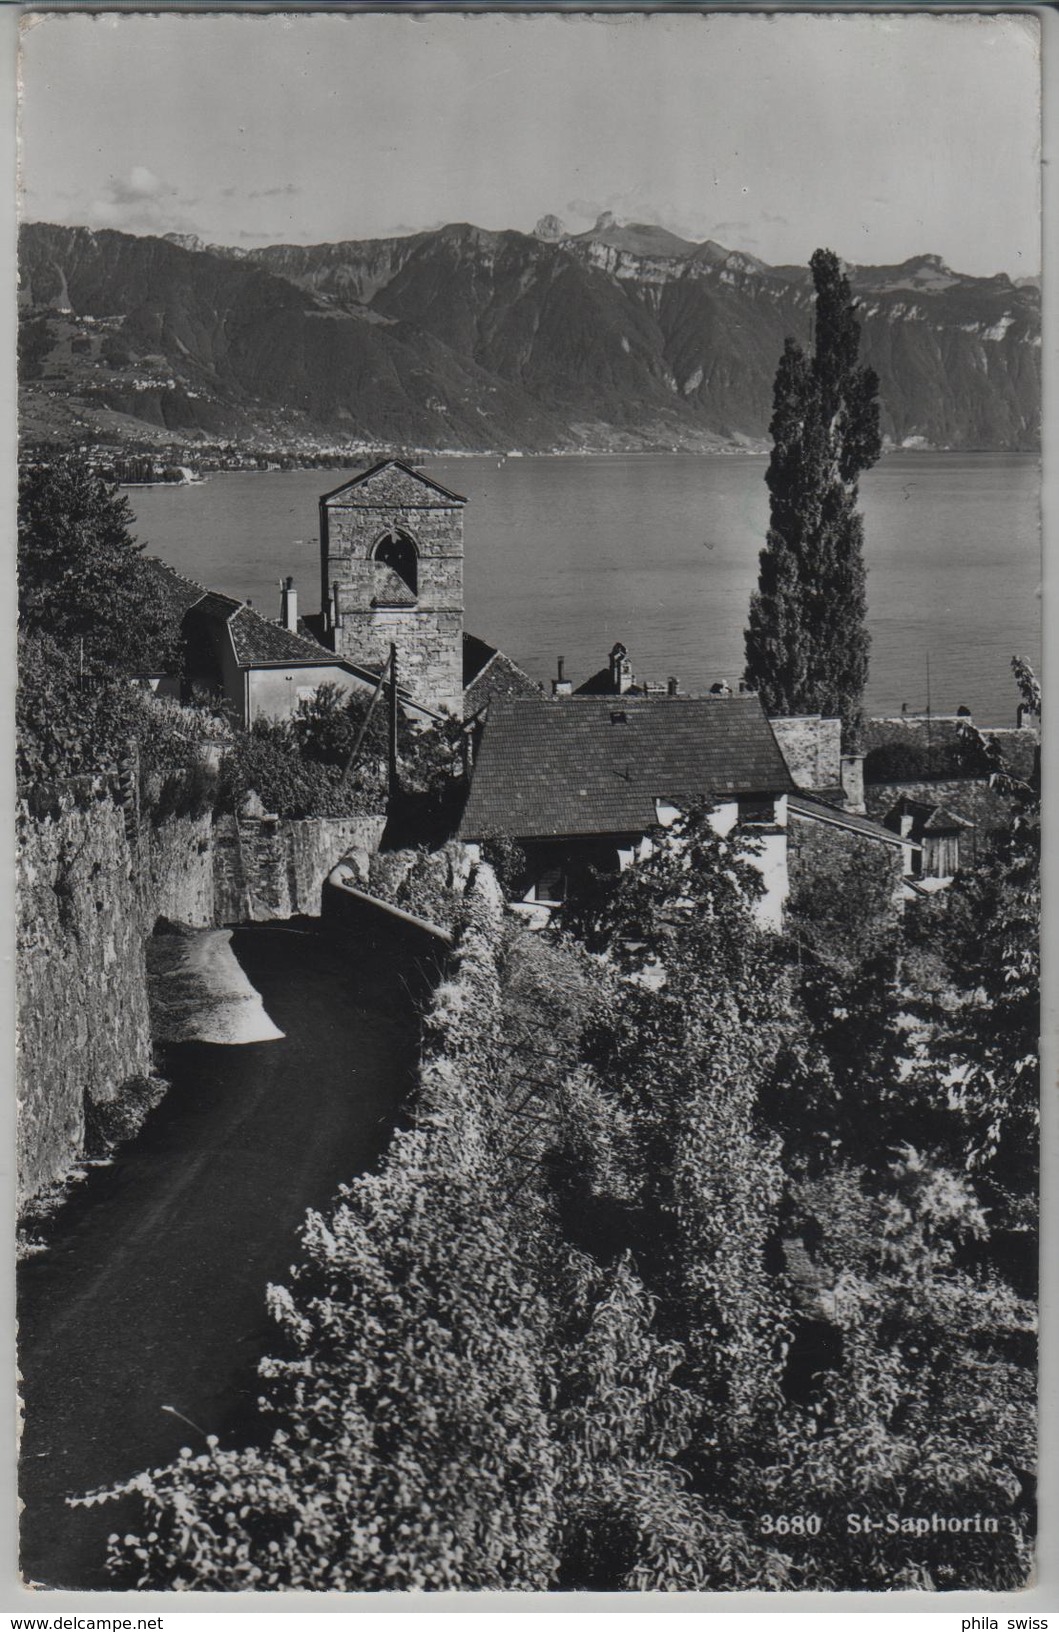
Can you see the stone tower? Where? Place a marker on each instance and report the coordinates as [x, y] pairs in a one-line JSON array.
[[391, 562]]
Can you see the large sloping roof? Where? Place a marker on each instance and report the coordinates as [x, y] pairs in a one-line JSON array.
[[819, 810], [597, 765], [179, 593], [257, 641], [973, 800], [489, 673], [392, 483]]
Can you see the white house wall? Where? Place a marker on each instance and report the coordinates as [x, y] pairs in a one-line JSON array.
[[275, 693]]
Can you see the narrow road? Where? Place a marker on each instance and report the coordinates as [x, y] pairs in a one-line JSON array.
[[151, 1291]]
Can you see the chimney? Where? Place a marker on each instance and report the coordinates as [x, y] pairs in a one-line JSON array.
[[851, 775], [672, 686], [561, 686], [620, 670], [288, 606]]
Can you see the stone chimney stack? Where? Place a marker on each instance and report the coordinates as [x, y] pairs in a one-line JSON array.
[[288, 606], [851, 774], [672, 686], [620, 670], [561, 686]]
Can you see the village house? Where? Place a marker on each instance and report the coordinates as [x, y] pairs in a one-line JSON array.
[[251, 667], [926, 783], [826, 811], [391, 546], [580, 783]]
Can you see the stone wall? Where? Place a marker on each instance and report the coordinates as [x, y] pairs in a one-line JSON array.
[[268, 867], [812, 748], [85, 909], [89, 896], [818, 852], [428, 633], [429, 649]]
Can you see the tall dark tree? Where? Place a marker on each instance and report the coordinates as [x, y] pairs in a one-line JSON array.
[[807, 640], [82, 579]]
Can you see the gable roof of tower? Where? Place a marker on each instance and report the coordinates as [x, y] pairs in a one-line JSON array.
[[393, 484]]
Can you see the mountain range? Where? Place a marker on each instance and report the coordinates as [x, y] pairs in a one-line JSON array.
[[625, 336]]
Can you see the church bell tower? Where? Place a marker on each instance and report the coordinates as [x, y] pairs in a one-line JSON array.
[[391, 563]]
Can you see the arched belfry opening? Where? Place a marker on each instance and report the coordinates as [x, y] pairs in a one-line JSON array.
[[395, 553]]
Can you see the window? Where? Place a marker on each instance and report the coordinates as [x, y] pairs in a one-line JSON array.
[[757, 810], [397, 551]]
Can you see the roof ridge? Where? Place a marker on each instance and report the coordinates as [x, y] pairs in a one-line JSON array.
[[399, 464], [308, 641], [192, 583]]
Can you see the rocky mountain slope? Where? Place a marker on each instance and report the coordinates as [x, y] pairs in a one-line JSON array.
[[461, 338]]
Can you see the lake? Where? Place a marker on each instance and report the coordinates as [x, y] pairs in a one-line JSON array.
[[568, 555]]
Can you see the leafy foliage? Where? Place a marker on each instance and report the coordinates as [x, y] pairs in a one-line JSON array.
[[989, 1044], [266, 760], [807, 640], [72, 741], [682, 1238], [929, 1408], [915, 762], [81, 574]]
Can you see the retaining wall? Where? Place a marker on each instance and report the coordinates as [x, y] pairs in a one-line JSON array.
[[89, 895]]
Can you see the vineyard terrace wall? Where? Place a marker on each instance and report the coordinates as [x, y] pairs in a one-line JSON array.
[[90, 890]]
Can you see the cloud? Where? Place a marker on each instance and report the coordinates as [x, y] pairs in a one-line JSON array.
[[141, 201], [731, 226], [288, 190]]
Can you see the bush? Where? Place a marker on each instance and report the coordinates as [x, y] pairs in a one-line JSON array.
[[267, 760], [81, 576]]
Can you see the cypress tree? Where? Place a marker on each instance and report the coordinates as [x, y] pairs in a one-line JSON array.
[[807, 640]]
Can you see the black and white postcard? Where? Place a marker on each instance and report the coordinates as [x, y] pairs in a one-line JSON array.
[[528, 801]]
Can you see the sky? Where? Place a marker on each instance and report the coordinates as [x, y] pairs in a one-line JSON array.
[[880, 136]]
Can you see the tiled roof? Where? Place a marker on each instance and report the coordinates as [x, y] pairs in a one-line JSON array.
[[929, 817], [973, 800], [586, 765], [215, 605], [257, 641], [178, 592], [818, 810], [498, 677]]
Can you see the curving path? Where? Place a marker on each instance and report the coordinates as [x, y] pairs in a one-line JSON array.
[[151, 1291]]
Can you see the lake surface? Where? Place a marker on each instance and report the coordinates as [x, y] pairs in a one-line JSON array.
[[568, 555]]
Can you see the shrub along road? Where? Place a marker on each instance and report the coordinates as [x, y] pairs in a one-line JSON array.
[[152, 1289]]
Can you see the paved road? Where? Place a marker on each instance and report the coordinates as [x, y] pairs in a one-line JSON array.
[[151, 1292]]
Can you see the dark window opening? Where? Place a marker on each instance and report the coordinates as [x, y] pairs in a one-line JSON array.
[[397, 552], [551, 884], [757, 809]]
